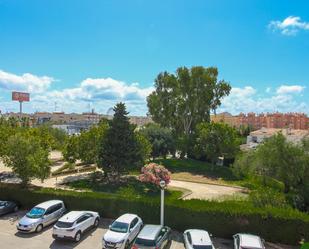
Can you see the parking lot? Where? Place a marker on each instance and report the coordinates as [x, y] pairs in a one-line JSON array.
[[11, 239]]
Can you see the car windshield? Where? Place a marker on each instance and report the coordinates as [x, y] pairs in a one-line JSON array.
[[62, 224], [35, 212], [202, 246], [119, 227], [145, 242]]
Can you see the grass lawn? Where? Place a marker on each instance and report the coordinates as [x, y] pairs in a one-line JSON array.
[[131, 188], [305, 246], [198, 171]]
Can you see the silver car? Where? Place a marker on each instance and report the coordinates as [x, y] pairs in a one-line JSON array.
[[153, 237], [40, 216], [197, 239]]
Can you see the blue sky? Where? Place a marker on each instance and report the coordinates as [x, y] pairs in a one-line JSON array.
[[92, 54]]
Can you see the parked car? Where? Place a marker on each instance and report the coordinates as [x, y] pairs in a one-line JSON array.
[[41, 215], [74, 224], [122, 232], [197, 239], [8, 207], [247, 241], [153, 237]]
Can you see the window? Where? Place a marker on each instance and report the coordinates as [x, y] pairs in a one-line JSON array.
[[81, 219], [145, 242], [119, 227], [49, 211], [62, 224], [133, 223], [189, 238], [58, 207]]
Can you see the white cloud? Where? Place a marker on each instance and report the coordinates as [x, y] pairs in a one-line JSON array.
[[289, 26], [284, 89], [26, 82], [283, 100], [101, 93]]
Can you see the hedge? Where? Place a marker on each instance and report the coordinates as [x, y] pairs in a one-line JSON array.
[[222, 219]]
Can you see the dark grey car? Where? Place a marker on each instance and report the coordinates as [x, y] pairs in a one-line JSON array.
[[8, 207], [153, 237]]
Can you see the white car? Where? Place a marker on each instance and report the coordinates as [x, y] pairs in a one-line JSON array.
[[122, 232], [197, 239], [72, 225], [248, 241], [40, 216]]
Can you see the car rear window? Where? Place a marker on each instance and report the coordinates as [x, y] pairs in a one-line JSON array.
[[202, 246], [62, 224], [145, 242]]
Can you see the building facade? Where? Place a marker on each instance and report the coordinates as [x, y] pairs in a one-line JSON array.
[[297, 121]]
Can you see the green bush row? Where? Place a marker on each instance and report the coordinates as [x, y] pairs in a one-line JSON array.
[[222, 219]]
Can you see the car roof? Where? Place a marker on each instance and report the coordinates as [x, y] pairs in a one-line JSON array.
[[126, 218], [149, 232], [47, 204], [249, 240], [199, 237], [72, 216]]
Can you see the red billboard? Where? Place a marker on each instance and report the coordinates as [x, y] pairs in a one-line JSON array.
[[20, 96]]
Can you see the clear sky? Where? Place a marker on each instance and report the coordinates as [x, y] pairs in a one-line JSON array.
[[76, 55]]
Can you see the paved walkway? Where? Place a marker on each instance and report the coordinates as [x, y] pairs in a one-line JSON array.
[[206, 191]]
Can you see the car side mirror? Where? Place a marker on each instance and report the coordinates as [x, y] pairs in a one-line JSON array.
[[210, 235]]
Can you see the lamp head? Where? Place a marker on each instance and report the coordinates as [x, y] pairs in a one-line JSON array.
[[162, 184]]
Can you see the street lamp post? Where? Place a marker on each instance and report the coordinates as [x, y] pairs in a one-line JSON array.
[[162, 185]]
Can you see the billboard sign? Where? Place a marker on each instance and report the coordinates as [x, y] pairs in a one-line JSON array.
[[20, 96]]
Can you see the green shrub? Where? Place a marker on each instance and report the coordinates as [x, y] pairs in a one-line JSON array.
[[223, 219]]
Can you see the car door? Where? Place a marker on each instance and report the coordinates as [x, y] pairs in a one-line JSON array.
[[48, 217], [57, 212], [89, 220], [165, 237], [134, 229]]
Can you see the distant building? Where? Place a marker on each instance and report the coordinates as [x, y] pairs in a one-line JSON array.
[[80, 121], [258, 136], [298, 121]]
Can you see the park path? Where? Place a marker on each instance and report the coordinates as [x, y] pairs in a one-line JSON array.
[[206, 191]]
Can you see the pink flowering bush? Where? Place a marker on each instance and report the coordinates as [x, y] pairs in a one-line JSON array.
[[154, 173]]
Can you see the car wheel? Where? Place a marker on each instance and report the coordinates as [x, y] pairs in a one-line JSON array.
[[96, 222], [15, 208], [39, 228], [78, 236]]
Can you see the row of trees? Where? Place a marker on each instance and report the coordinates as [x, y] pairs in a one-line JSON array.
[[113, 145], [26, 149]]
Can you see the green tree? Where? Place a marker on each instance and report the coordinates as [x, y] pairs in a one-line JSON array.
[[161, 139], [88, 143], [119, 149], [27, 158], [70, 150], [183, 100], [214, 140]]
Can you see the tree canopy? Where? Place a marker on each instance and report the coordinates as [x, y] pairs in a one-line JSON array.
[[181, 101], [214, 140], [120, 149]]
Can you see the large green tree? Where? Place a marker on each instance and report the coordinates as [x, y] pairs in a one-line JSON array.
[[181, 101], [161, 139], [120, 148], [27, 157], [214, 140]]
